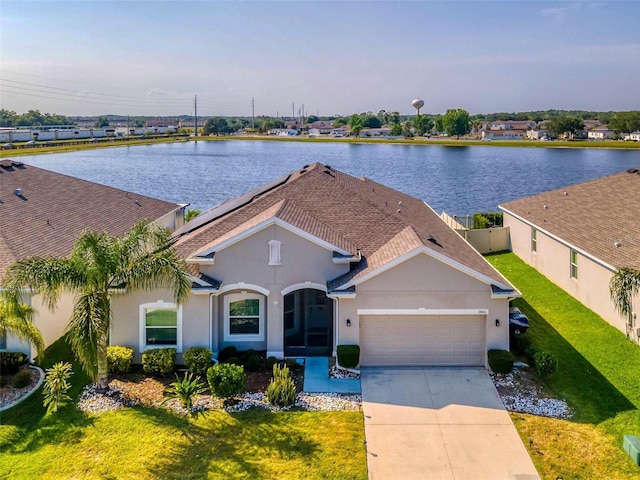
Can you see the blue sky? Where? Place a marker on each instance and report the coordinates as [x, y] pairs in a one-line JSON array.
[[151, 58]]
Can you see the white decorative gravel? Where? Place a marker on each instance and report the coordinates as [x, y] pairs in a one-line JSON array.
[[528, 398], [342, 373], [95, 402]]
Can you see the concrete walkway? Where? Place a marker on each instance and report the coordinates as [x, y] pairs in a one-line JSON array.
[[439, 423], [316, 378]]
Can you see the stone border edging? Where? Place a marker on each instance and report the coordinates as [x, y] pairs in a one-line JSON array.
[[24, 397]]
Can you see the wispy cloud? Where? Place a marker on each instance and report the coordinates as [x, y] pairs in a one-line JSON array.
[[558, 15]]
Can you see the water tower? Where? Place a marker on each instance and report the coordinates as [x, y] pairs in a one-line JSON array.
[[418, 103]]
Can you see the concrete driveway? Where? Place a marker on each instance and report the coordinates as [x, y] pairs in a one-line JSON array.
[[439, 423]]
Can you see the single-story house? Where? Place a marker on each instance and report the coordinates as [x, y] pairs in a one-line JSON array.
[[601, 133], [316, 259], [507, 134], [578, 236], [43, 212]]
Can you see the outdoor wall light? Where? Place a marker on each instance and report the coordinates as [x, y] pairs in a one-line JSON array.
[[497, 322], [348, 322]]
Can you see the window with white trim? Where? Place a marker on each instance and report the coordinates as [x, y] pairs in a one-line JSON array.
[[274, 252], [160, 326], [574, 264], [244, 317], [534, 239]]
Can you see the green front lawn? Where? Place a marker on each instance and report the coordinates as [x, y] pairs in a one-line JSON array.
[[148, 443], [598, 375]]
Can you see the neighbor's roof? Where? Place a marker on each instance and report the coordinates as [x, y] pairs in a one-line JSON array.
[[593, 216], [354, 215], [46, 215]]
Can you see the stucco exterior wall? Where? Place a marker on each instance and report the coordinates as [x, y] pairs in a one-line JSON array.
[[424, 282], [303, 264], [125, 329], [553, 259], [52, 323]]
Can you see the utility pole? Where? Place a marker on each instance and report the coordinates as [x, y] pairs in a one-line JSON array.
[[293, 111], [253, 113], [195, 109]]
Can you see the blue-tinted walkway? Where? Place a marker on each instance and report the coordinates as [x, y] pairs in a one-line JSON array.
[[316, 378]]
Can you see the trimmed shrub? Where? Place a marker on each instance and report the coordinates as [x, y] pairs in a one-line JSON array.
[[160, 361], [520, 343], [530, 353], [22, 378], [500, 361], [226, 353], [56, 385], [4, 380], [348, 355], [233, 361], [198, 360], [253, 363], [226, 380], [281, 391], [271, 361], [119, 359], [10, 362], [249, 353], [545, 364], [291, 363]]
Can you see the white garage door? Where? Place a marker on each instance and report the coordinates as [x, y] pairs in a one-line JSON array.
[[387, 340]]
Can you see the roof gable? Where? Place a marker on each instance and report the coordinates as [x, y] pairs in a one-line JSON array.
[[358, 216]]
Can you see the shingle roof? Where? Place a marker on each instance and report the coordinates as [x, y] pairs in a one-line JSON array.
[[358, 215], [592, 216], [54, 208]]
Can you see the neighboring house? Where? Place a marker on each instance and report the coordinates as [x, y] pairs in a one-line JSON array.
[[580, 235], [509, 134], [283, 132], [42, 213], [634, 137], [601, 133], [317, 259], [512, 125]]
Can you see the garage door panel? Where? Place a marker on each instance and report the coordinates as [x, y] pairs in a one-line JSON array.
[[388, 340]]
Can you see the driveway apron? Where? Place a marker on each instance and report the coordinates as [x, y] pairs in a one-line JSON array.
[[439, 423]]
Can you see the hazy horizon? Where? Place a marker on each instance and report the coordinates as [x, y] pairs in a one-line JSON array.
[[151, 57]]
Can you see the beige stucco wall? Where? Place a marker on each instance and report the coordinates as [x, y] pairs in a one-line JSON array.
[[247, 261], [424, 282], [52, 323], [125, 329], [552, 259]]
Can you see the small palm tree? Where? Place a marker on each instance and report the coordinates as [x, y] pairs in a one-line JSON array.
[[16, 319], [98, 267], [624, 285]]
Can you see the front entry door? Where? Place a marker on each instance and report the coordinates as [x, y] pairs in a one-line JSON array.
[[308, 324]]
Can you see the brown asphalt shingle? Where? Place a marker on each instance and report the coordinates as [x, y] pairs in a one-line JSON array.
[[349, 213], [55, 208], [591, 216]]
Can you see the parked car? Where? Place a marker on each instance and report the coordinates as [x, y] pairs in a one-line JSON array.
[[518, 321]]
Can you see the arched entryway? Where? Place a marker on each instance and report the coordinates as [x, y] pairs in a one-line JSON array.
[[308, 323]]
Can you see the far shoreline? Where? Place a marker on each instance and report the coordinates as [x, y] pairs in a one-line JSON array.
[[444, 142]]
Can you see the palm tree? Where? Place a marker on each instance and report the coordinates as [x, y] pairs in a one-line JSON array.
[[99, 266], [15, 319], [624, 285]]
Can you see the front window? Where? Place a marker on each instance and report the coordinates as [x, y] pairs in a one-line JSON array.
[[574, 264], [160, 326], [244, 317]]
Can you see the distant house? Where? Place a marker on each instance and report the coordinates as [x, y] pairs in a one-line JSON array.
[[578, 236], [601, 133], [42, 213], [634, 137], [283, 132], [511, 125], [507, 134]]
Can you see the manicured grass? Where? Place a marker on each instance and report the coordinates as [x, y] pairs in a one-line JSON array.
[[598, 374], [147, 443]]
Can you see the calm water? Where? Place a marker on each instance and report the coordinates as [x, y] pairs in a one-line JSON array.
[[458, 180]]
